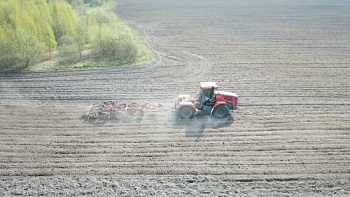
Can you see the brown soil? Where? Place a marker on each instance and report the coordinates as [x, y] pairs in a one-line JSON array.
[[289, 63]]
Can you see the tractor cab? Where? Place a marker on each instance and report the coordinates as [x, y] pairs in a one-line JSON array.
[[206, 97]]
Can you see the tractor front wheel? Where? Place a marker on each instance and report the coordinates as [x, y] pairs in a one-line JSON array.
[[186, 113], [220, 111]]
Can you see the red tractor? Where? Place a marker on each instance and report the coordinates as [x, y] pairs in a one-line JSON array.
[[208, 101]]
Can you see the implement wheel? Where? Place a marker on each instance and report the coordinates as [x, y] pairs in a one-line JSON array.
[[119, 115], [186, 113], [138, 116]]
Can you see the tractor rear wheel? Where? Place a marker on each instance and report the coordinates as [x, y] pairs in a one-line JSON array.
[[220, 111], [186, 113]]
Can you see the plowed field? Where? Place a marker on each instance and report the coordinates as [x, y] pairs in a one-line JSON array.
[[288, 61]]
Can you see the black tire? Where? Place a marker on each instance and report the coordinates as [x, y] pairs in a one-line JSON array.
[[119, 115], [220, 111], [186, 113], [138, 116]]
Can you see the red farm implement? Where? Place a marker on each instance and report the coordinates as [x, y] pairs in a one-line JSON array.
[[121, 112]]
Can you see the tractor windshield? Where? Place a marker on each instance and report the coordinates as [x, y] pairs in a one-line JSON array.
[[208, 93], [206, 96]]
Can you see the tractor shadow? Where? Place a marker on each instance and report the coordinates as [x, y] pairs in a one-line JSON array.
[[195, 128]]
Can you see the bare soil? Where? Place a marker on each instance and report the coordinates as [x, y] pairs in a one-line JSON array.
[[288, 62]]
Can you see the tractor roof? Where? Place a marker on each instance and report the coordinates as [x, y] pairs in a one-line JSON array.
[[208, 85]]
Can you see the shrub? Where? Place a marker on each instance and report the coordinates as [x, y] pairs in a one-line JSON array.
[[68, 50], [115, 47], [110, 40]]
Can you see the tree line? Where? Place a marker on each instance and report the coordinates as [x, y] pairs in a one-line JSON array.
[[31, 28]]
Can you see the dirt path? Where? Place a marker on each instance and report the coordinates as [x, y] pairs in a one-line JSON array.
[[290, 137]]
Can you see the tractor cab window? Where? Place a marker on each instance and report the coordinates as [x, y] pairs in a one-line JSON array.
[[208, 93], [207, 96]]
